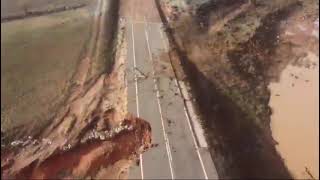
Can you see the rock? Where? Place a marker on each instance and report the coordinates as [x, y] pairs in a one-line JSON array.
[[154, 145], [47, 141], [102, 137], [16, 143], [95, 135], [101, 125], [35, 142]]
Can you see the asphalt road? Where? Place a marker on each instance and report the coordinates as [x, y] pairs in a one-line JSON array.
[[157, 98]]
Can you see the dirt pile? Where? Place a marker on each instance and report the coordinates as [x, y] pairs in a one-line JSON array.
[[101, 157], [230, 52]]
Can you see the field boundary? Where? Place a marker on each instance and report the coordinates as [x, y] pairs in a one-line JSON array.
[[30, 14]]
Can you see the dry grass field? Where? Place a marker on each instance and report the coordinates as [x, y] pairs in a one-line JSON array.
[[39, 57]]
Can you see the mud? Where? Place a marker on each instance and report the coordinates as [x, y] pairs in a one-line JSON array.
[[229, 59], [295, 112], [91, 159]]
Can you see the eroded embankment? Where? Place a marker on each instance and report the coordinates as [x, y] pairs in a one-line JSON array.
[[107, 154], [92, 136], [229, 57]]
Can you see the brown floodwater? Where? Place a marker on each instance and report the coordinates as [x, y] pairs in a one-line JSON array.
[[295, 119]]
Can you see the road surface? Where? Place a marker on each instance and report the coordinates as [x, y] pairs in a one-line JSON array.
[[157, 98]]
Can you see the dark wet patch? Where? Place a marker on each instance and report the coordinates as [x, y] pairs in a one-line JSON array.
[[258, 56], [236, 117], [203, 12]]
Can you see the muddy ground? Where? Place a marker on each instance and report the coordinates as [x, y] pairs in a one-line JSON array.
[[229, 52]]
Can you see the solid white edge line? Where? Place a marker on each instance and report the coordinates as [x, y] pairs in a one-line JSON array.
[[195, 121], [97, 11], [159, 104], [188, 119], [195, 143], [137, 97]]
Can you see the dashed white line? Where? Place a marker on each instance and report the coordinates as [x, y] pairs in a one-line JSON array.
[[167, 142], [137, 97], [187, 116]]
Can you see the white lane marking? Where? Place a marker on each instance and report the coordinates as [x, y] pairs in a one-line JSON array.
[[187, 115], [159, 105], [195, 142], [97, 11], [198, 130], [137, 97]]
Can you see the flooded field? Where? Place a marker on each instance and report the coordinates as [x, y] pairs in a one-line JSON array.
[[295, 118], [253, 67]]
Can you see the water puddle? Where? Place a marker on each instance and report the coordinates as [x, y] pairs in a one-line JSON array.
[[295, 119]]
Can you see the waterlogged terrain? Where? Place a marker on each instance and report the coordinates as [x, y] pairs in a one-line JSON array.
[[295, 119], [295, 100], [253, 67]]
